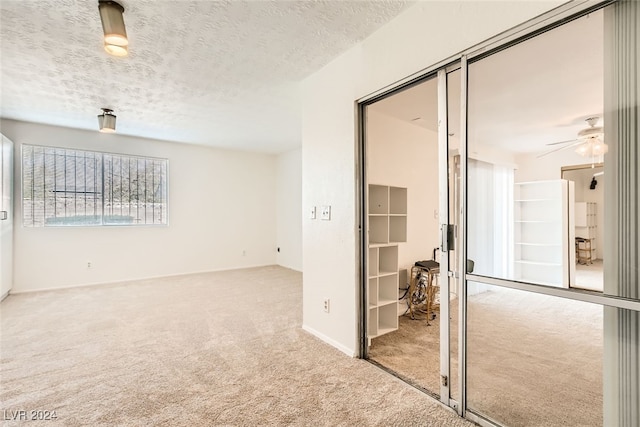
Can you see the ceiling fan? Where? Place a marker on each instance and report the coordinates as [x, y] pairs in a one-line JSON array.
[[589, 141]]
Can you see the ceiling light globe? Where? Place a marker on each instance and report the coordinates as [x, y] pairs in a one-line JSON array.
[[599, 147], [582, 149], [116, 39], [116, 50]]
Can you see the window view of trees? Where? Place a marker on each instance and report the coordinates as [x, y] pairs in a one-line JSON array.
[[63, 187]]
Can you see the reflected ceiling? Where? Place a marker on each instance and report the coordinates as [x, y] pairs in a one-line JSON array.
[[522, 98]]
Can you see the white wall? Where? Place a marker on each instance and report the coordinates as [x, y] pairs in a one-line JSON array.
[[425, 34], [289, 209], [532, 168], [400, 154], [222, 215]]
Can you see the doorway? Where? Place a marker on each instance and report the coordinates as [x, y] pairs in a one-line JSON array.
[[412, 190], [6, 216], [588, 182]]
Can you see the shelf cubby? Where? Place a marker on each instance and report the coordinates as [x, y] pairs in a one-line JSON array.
[[378, 229], [373, 322], [378, 200], [388, 260], [387, 318], [398, 228], [373, 262], [388, 289], [397, 201], [373, 292]]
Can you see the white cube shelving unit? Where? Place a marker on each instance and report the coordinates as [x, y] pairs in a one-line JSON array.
[[587, 224], [544, 233], [387, 226]]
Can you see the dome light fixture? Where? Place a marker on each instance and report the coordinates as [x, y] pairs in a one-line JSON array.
[[107, 121], [115, 34]]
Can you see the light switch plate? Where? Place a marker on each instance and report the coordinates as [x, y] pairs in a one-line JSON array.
[[312, 213], [325, 213]]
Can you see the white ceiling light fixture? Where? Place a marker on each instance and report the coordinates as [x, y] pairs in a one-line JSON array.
[[107, 121], [115, 34]]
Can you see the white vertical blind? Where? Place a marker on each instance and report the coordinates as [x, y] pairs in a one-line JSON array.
[[490, 242]]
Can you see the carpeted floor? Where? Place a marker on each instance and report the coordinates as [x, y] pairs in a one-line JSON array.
[[211, 349], [590, 276], [533, 360], [413, 352]]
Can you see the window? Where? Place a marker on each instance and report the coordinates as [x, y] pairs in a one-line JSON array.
[[65, 187]]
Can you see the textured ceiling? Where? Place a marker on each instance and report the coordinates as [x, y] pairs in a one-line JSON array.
[[525, 97], [220, 73]]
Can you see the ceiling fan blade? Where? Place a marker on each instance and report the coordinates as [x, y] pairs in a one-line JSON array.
[[560, 148], [562, 142]]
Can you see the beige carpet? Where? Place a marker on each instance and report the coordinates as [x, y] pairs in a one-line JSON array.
[[533, 360], [200, 350], [590, 277], [413, 352]]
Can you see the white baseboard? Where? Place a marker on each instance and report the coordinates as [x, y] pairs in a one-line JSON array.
[[349, 352], [135, 279], [6, 294]]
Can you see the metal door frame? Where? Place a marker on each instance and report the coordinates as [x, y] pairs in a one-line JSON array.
[[443, 208]]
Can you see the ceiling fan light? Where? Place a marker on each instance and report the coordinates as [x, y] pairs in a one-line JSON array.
[[113, 23], [600, 148], [583, 149], [116, 50]]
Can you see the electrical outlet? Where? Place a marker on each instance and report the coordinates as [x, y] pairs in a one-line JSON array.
[[312, 212], [89, 264], [325, 213], [326, 305]]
